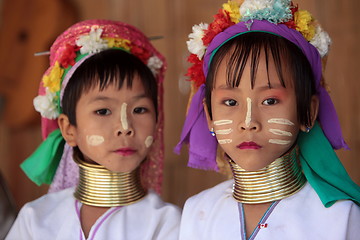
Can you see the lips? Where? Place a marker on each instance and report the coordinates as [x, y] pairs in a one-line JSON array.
[[248, 145], [125, 151]]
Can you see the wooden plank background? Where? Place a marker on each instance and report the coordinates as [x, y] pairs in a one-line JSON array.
[[173, 20]]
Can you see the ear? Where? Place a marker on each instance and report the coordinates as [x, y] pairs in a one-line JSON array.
[[208, 118], [314, 109], [67, 130]]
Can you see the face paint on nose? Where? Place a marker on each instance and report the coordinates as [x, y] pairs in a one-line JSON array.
[[123, 117], [222, 122], [94, 140], [248, 113], [148, 141]]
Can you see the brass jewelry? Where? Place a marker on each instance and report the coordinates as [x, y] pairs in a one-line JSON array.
[[102, 188], [281, 179]]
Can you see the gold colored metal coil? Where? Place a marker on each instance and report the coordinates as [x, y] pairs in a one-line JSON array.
[[103, 188], [281, 179]]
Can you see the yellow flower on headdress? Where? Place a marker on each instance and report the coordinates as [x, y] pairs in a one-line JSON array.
[[305, 24], [119, 43], [233, 8], [52, 81]]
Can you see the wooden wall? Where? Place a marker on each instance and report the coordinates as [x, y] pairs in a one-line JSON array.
[[173, 20]]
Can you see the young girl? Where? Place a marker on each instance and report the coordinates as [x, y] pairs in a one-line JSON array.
[[265, 105], [104, 91]]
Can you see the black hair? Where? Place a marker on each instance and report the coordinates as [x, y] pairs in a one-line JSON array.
[[112, 66], [286, 55]]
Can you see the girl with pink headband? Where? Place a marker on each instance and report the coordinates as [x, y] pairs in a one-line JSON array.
[[260, 96], [101, 103]]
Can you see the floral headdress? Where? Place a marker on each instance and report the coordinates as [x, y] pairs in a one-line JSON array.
[[320, 164], [68, 52]]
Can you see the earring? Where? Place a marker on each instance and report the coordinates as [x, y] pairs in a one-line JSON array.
[[212, 132], [307, 129]]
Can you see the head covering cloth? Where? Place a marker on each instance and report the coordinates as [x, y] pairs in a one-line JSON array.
[[67, 52]]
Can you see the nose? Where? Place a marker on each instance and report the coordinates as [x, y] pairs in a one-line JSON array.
[[125, 132], [249, 123], [125, 126]]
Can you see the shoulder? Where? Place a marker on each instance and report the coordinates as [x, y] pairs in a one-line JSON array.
[[209, 196]]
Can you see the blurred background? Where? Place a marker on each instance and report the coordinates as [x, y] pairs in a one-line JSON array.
[[27, 27]]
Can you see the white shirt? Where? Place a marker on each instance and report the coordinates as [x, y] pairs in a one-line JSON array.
[[56, 216], [215, 214]]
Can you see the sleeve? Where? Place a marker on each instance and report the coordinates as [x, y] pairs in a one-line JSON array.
[[353, 228], [21, 229]]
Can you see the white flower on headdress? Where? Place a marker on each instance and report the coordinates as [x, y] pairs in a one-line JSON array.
[[92, 42], [321, 41], [195, 44], [154, 63], [46, 105]]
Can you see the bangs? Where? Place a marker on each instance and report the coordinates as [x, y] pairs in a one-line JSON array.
[[247, 49], [110, 67]]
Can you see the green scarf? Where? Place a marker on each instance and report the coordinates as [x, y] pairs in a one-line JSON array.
[[323, 169], [41, 166]]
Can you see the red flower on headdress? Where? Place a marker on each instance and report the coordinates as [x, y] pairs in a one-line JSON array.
[[291, 23], [140, 53], [68, 55], [221, 21], [195, 72]]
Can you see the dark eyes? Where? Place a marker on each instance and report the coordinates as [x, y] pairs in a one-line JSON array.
[[230, 102], [103, 112], [270, 101], [140, 110]]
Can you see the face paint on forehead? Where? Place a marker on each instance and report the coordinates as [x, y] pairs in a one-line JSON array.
[[94, 140], [223, 131], [123, 116], [248, 112], [222, 122], [280, 132], [282, 121], [148, 141]]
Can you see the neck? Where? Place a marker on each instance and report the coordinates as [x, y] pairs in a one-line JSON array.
[[281, 179], [102, 188]]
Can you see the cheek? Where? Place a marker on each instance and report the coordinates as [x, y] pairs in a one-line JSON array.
[[94, 140]]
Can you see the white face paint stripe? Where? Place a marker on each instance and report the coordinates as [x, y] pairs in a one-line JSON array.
[[224, 141], [248, 113], [280, 132], [223, 131], [222, 122], [281, 121], [278, 141], [148, 141], [123, 117], [94, 140]]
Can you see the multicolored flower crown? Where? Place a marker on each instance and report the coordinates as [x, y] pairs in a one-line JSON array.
[[89, 43], [274, 11]]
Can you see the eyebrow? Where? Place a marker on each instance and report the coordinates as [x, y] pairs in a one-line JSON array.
[[105, 98], [261, 88]]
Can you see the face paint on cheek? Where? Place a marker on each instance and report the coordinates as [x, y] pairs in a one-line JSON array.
[[222, 122], [248, 113], [223, 131], [280, 142], [123, 116], [94, 140], [224, 141], [281, 121], [280, 132], [148, 141]]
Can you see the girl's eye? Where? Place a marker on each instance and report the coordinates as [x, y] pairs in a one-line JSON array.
[[230, 102], [140, 110], [270, 101], [103, 112]]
